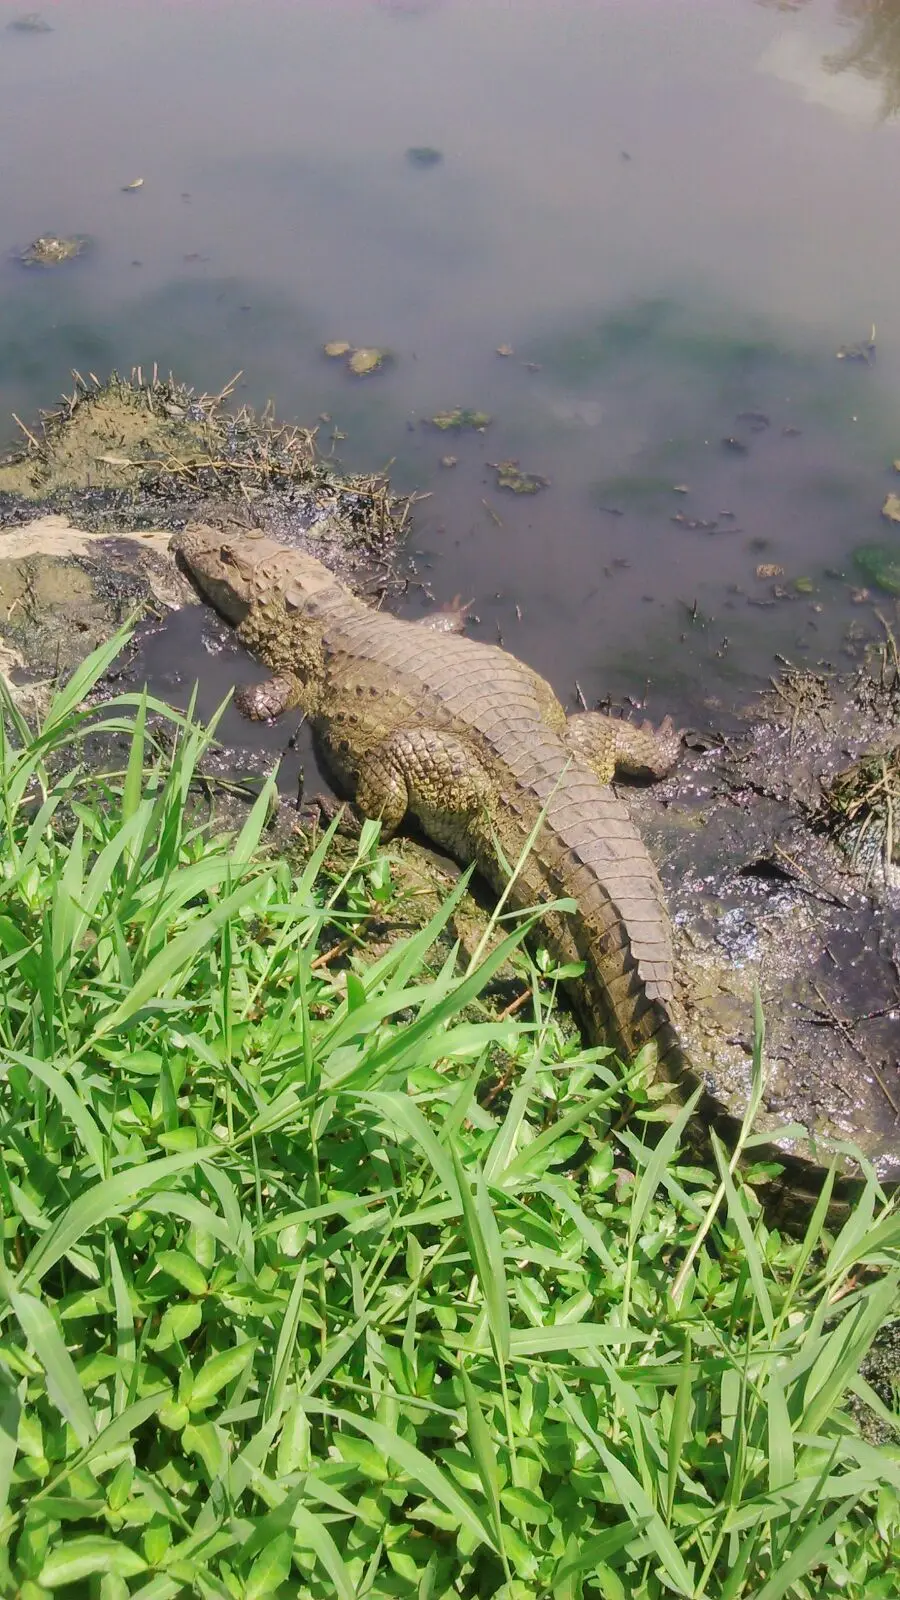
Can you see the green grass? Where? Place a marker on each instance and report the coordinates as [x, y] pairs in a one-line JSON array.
[[324, 1279]]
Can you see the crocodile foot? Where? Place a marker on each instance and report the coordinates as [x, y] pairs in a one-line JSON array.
[[450, 618], [263, 702]]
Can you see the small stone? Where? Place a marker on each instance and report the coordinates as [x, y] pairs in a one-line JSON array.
[[891, 508]]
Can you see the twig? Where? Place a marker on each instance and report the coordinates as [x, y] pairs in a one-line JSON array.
[[842, 1028], [29, 436]]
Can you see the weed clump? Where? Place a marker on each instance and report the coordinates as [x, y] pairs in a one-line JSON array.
[[295, 1302]]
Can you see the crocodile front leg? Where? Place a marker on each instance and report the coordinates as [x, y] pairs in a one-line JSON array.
[[431, 775], [609, 745], [265, 701]]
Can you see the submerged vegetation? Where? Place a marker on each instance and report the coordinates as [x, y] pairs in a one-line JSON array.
[[325, 1275]]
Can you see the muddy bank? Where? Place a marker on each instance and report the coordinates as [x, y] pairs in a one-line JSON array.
[[92, 492], [766, 887], [766, 891]]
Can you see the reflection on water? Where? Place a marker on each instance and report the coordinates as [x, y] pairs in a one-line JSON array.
[[669, 219], [874, 49]]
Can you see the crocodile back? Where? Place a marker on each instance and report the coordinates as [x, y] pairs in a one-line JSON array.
[[589, 846]]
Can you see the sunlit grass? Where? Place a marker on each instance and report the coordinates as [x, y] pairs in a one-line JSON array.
[[296, 1303]]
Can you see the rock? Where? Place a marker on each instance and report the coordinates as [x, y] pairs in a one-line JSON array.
[[891, 508]]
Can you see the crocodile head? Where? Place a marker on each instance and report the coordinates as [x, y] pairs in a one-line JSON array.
[[222, 567], [236, 571]]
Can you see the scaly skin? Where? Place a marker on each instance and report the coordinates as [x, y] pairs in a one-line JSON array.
[[474, 745]]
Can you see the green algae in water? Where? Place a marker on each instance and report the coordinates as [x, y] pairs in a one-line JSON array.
[[510, 476], [638, 491], [881, 565], [660, 328], [460, 419]]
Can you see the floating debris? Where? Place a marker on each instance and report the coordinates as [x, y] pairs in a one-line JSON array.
[[50, 250], [362, 362], [510, 476], [680, 488], [461, 419], [448, 461], [736, 445], [505, 350], [804, 586], [424, 155], [891, 508], [769, 569], [136, 183], [696, 522], [881, 565], [864, 351], [31, 22]]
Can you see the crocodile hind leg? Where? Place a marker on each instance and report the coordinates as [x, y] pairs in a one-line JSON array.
[[431, 775], [609, 745], [265, 701]]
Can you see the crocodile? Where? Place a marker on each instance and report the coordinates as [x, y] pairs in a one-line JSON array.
[[474, 746]]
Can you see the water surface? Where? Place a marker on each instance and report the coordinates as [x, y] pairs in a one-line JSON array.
[[673, 215]]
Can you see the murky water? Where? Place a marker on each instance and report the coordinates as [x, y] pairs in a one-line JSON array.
[[674, 216]]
